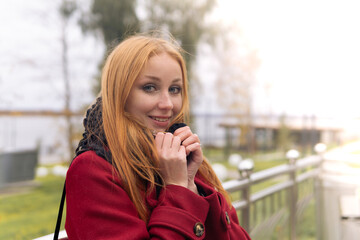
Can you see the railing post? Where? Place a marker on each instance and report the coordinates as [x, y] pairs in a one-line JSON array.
[[245, 168], [320, 149], [292, 156], [228, 144]]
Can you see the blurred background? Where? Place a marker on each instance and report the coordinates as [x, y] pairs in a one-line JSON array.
[[265, 77]]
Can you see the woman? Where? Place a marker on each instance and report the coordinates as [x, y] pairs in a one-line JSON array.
[[133, 180]]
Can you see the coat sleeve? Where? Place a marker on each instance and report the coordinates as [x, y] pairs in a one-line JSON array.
[[99, 208], [222, 220]]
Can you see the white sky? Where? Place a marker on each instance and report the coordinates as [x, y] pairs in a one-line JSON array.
[[309, 51], [30, 64]]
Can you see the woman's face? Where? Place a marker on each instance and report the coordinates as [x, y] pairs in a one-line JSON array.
[[155, 98]]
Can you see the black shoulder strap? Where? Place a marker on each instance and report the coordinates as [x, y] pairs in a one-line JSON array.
[[61, 209], [100, 152]]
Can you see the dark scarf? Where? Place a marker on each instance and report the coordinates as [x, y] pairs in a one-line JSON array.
[[94, 136]]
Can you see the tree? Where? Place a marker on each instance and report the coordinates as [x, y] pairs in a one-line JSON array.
[[238, 63], [66, 10], [113, 19], [283, 139], [185, 20]]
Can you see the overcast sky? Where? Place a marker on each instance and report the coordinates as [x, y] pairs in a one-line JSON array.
[[30, 64], [309, 52]]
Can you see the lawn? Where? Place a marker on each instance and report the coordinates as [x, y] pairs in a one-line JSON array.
[[33, 214]]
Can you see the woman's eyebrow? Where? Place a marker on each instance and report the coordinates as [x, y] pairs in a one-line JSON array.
[[153, 78], [158, 79], [176, 80]]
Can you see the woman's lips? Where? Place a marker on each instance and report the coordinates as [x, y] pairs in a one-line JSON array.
[[161, 122], [160, 119]]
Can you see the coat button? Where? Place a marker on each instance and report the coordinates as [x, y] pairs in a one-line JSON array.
[[199, 229], [227, 218]]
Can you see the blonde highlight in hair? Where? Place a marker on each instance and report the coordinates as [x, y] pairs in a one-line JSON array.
[[131, 144]]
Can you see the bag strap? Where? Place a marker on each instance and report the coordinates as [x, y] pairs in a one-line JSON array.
[[61, 209]]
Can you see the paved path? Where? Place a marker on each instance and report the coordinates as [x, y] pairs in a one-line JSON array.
[[18, 188]]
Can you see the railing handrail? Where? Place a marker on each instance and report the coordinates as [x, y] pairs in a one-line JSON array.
[[238, 184], [295, 176]]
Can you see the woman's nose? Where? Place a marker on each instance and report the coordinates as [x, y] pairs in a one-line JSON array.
[[165, 101]]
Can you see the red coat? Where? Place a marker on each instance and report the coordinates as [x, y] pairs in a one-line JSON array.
[[98, 208]]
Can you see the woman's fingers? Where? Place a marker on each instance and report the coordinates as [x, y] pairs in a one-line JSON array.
[[189, 140], [159, 138], [192, 147], [167, 141], [183, 133], [176, 143], [193, 139], [172, 157]]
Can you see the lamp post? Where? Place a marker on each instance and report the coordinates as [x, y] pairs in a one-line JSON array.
[[245, 168], [292, 155], [320, 149], [234, 159]]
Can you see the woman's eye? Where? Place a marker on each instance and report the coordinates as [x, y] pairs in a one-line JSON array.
[[149, 88], [175, 90]]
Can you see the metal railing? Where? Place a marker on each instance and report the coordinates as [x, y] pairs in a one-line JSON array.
[[292, 187]]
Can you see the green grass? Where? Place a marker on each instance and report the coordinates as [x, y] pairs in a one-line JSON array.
[[306, 227], [261, 160], [31, 215]]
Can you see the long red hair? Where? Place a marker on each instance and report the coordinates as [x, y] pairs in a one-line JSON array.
[[131, 144]]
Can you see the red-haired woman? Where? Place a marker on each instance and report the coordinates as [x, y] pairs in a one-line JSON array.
[[130, 178]]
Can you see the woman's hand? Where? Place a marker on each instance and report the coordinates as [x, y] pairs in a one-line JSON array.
[[172, 156], [194, 154]]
